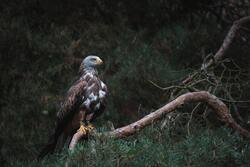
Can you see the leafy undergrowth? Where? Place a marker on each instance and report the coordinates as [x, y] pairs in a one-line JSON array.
[[158, 147]]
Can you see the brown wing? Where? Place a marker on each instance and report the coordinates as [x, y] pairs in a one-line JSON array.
[[72, 101], [68, 109]]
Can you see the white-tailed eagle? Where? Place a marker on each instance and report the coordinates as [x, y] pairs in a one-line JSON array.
[[85, 101]]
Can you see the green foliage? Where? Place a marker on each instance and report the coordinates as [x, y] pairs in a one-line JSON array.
[[41, 48], [158, 147]]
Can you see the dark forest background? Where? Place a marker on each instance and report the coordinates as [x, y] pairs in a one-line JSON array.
[[42, 43]]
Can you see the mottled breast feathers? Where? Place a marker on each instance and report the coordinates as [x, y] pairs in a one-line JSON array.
[[88, 93]]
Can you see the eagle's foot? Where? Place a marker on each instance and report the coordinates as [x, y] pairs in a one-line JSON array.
[[83, 129], [90, 126]]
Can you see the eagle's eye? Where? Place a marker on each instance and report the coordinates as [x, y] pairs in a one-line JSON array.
[[93, 59]]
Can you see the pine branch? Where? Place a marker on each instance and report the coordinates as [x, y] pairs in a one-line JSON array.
[[212, 101]]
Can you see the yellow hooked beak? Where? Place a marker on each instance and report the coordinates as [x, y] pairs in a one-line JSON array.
[[99, 61]]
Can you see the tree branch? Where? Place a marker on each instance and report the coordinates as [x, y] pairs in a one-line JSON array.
[[227, 41], [223, 48], [212, 101]]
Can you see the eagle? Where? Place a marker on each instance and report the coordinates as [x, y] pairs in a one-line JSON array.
[[83, 103]]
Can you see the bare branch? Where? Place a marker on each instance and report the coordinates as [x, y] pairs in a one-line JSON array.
[[218, 106], [227, 41], [223, 48], [191, 116], [212, 101], [189, 87]]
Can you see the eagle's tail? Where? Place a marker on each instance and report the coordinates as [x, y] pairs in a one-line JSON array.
[[49, 148]]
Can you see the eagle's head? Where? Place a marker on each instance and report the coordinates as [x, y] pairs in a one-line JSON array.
[[90, 62]]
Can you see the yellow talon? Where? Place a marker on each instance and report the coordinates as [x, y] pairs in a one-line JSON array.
[[86, 129], [83, 129], [90, 126]]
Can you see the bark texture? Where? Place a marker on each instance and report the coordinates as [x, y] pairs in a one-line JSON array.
[[212, 101]]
